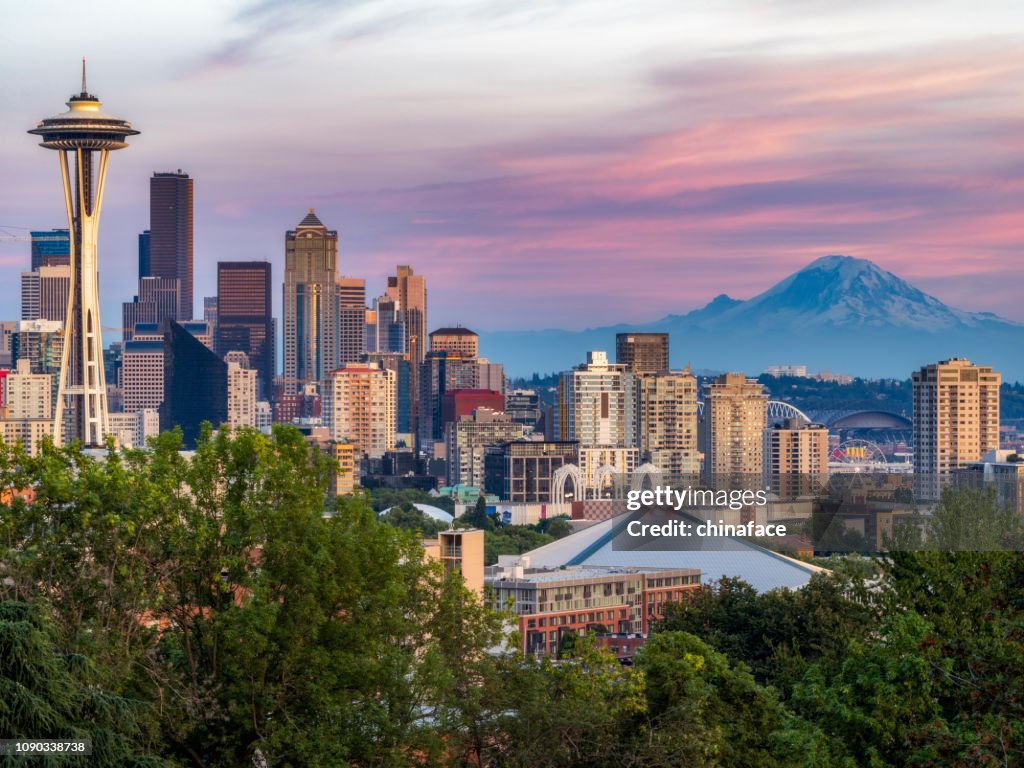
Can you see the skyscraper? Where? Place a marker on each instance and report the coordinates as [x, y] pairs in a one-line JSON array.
[[596, 404], [241, 396], [170, 234], [351, 319], [732, 430], [244, 321], [460, 340], [795, 458], [81, 136], [158, 300], [195, 385], [409, 290], [440, 373], [51, 249], [467, 439], [385, 331], [359, 408], [310, 303], [642, 352], [956, 420], [666, 422], [44, 293]]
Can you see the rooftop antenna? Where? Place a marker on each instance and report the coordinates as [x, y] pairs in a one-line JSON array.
[[84, 89]]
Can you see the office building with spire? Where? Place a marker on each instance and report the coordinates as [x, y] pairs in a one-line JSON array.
[[310, 334]]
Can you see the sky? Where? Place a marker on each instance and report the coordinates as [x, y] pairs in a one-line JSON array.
[[545, 164]]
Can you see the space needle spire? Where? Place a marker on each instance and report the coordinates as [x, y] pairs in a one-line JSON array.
[[83, 137]]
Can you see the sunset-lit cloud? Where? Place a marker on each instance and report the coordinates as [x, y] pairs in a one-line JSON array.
[[570, 164]]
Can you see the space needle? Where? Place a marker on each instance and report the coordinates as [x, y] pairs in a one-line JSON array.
[[84, 137]]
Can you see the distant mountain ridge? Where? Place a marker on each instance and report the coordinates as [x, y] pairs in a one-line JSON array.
[[839, 313]]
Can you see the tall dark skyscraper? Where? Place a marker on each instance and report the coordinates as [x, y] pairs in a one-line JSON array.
[[195, 385], [642, 352], [170, 233], [51, 249], [244, 317]]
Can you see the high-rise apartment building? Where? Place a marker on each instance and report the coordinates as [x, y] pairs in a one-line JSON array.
[[642, 352], [466, 441], [735, 414], [244, 317], [795, 458], [170, 234], [51, 249], [44, 293], [241, 396], [956, 420], [351, 319], [310, 303], [27, 395], [596, 404], [359, 408], [666, 422]]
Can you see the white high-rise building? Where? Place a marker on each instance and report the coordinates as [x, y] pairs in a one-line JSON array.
[[27, 395], [241, 396], [596, 404]]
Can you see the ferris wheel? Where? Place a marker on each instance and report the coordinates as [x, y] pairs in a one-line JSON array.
[[859, 452]]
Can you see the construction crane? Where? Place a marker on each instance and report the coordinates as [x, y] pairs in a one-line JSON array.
[[7, 236]]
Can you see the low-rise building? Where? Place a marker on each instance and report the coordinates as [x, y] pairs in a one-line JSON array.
[[553, 603]]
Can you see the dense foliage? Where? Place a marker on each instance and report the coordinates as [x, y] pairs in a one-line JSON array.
[[205, 611]]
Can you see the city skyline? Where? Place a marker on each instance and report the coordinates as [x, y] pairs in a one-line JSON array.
[[566, 180]]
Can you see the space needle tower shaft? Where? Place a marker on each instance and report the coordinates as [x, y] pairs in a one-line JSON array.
[[83, 138]]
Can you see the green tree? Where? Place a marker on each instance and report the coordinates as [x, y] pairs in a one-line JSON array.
[[703, 711], [477, 517], [408, 518], [48, 694]]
